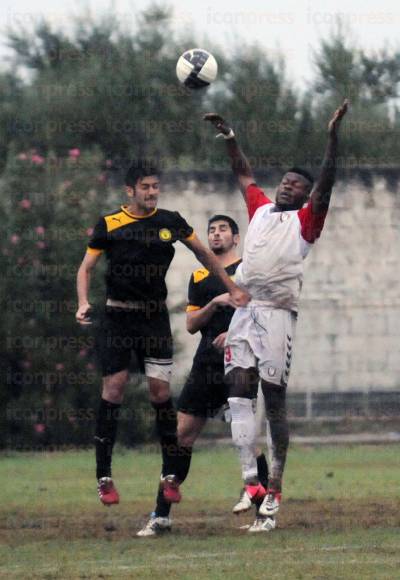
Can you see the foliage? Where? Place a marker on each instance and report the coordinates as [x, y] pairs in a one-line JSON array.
[[102, 85]]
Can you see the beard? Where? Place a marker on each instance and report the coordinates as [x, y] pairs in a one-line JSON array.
[[218, 251]]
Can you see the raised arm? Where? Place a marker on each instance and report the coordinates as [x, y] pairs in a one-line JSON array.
[[240, 165], [239, 296], [321, 194]]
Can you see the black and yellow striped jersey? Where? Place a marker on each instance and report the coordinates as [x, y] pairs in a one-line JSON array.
[[139, 250]]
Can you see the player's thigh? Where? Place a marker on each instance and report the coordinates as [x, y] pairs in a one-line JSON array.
[[275, 401], [242, 382], [205, 390], [238, 352], [272, 342], [189, 428], [157, 349]]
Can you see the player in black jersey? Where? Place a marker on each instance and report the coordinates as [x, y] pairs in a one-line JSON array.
[[209, 311], [137, 241]]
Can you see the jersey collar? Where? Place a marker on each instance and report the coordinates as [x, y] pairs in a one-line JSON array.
[[137, 217], [233, 263]]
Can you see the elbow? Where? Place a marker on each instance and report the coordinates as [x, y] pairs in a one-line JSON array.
[[190, 327]]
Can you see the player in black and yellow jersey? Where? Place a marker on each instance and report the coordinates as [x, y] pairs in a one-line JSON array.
[[137, 241], [209, 311]]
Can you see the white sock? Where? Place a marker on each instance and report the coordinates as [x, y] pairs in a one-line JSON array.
[[244, 434]]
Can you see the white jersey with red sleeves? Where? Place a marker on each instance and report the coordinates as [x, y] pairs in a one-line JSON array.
[[275, 246]]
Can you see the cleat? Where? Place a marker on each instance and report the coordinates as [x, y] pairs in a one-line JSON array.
[[170, 485], [262, 524], [155, 527], [107, 492], [270, 505], [250, 495]]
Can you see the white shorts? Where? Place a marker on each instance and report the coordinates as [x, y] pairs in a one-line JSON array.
[[158, 369], [262, 337]]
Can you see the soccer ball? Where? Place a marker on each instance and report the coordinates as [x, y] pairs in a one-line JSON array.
[[196, 68]]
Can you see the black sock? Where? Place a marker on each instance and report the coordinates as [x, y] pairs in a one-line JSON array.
[[262, 468], [163, 507], [176, 459], [183, 462], [106, 431], [166, 425]]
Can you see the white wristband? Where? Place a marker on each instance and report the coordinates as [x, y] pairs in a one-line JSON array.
[[230, 135]]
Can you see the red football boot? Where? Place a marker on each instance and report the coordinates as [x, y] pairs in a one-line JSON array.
[[250, 495], [108, 493], [171, 491]]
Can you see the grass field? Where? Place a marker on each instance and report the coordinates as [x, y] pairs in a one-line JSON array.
[[340, 518]]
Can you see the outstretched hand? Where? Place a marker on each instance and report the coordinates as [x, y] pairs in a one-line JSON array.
[[239, 297], [218, 122], [338, 115]]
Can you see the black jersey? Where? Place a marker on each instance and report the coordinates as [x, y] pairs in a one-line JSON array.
[[203, 287], [139, 250]]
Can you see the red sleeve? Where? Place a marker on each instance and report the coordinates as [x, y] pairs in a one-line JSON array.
[[255, 198], [311, 223]]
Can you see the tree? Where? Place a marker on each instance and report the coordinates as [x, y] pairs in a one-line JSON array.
[[370, 81]]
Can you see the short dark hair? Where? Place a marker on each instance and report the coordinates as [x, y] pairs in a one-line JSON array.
[[138, 169], [302, 172], [224, 218]]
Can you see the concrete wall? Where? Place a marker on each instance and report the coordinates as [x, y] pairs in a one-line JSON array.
[[348, 335]]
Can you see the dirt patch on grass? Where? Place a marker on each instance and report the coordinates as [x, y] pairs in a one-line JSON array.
[[123, 522]]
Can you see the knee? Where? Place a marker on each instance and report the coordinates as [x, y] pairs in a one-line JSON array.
[[113, 392], [186, 437], [159, 391], [187, 430], [242, 383]]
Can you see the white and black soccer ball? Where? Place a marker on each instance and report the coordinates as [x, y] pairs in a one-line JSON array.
[[196, 68]]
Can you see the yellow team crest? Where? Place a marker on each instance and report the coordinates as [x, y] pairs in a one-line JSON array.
[[165, 235]]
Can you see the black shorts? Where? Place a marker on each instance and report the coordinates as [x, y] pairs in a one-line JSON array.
[[205, 391], [134, 340]]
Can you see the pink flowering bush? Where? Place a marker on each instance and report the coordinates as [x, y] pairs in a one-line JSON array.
[[37, 159], [74, 153], [25, 203]]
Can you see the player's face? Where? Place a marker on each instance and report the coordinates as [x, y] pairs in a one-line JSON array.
[[220, 237], [293, 191], [145, 193]]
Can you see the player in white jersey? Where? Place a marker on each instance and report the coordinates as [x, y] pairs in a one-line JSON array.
[[259, 344]]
